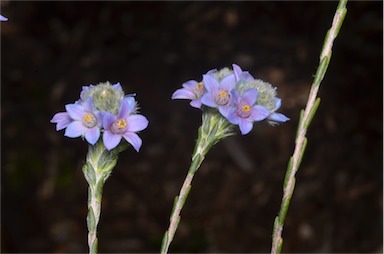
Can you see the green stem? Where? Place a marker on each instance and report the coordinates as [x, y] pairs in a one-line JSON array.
[[214, 128], [97, 169], [305, 120]]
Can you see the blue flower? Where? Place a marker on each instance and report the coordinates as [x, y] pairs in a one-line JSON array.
[[192, 90], [62, 120], [219, 93], [86, 121], [123, 125], [244, 111]]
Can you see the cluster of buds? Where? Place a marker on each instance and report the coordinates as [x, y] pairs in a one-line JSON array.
[[240, 98], [104, 110]]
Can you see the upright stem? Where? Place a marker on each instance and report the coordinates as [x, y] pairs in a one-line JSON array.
[[305, 120], [214, 128], [97, 169]]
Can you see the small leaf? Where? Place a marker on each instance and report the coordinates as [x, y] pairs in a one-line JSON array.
[[91, 219], [94, 247], [288, 172], [164, 242], [321, 70], [312, 113], [89, 173]]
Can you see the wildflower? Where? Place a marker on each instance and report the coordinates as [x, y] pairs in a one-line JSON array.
[[86, 121], [218, 92], [245, 111], [192, 90], [62, 120], [124, 124], [2, 18]]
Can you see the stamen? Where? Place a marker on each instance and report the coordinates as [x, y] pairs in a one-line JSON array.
[[222, 98], [89, 120], [119, 126], [244, 110]]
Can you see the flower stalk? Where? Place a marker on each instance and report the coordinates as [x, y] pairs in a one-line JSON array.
[[214, 128], [306, 117], [97, 169]]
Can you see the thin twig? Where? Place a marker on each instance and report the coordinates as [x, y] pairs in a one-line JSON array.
[[305, 119]]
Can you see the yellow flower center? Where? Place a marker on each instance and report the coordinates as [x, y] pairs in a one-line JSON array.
[[199, 90], [222, 98], [89, 120], [244, 110], [119, 126]]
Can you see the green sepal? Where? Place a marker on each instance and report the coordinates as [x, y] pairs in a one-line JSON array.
[[89, 173], [94, 248], [91, 219], [196, 162], [312, 113]]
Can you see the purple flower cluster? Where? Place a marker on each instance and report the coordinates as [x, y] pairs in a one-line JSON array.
[[240, 98], [103, 110]]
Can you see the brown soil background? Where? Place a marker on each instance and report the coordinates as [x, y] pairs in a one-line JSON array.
[[50, 49]]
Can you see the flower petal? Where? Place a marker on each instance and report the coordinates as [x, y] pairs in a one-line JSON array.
[[259, 113], [190, 84], [208, 100], [88, 105], [183, 93], [125, 108], [110, 140], [108, 120], [277, 117], [237, 71], [2, 18], [232, 117], [133, 139], [75, 129], [249, 96], [136, 123], [210, 83], [75, 111], [92, 135], [278, 103], [196, 103], [117, 86], [228, 83], [62, 120], [224, 110], [245, 126]]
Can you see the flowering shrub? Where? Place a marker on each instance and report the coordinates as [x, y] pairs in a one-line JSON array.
[[103, 109]]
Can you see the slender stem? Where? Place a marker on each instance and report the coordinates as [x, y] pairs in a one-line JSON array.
[[305, 120], [97, 169], [214, 128]]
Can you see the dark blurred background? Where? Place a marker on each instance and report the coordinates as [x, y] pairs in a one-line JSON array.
[[49, 50]]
